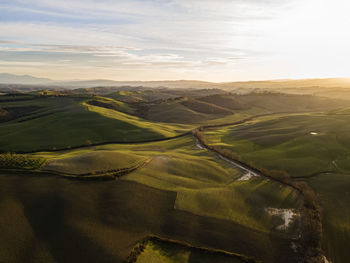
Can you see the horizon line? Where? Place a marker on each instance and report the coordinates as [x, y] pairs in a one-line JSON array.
[[178, 80]]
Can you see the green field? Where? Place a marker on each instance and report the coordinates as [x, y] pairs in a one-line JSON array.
[[312, 145], [208, 186], [64, 122], [205, 185], [92, 162], [201, 187], [333, 192], [300, 145], [97, 171]]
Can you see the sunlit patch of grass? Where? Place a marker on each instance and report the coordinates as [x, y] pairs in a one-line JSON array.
[[165, 129], [92, 162], [286, 143], [64, 122]]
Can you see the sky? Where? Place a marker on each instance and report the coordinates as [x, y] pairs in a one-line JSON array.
[[209, 40]]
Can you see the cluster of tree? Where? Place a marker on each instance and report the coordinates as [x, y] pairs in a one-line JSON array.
[[137, 250], [20, 161], [116, 172], [310, 210]]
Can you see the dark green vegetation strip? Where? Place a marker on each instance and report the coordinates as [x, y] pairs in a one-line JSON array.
[[113, 173], [20, 161], [24, 164]]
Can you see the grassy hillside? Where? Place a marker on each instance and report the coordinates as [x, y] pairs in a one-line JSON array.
[[205, 107], [266, 102], [165, 130], [333, 193], [63, 122], [173, 189], [208, 186], [111, 104], [192, 196], [144, 95], [205, 185], [61, 220], [50, 219], [314, 147], [226, 101], [180, 112], [301, 145], [279, 102], [195, 186], [92, 162], [202, 108]]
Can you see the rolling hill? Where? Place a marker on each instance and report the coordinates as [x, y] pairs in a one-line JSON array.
[[140, 174]]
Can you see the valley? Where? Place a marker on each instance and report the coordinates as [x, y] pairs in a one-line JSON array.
[[161, 175]]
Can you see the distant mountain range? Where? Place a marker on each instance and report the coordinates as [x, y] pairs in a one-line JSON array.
[[6, 78], [12, 79]]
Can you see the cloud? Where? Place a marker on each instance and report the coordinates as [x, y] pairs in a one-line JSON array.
[[8, 42], [222, 38], [211, 27], [22, 63]]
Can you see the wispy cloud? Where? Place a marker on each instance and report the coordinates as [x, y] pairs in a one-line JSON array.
[[120, 55], [160, 35], [150, 39]]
